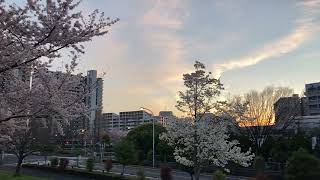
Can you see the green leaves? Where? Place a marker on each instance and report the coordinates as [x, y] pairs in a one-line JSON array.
[[201, 94], [125, 152]]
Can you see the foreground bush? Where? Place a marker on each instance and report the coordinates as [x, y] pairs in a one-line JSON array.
[[63, 163], [165, 173], [302, 165], [108, 165], [141, 175], [261, 176], [90, 164], [219, 175], [54, 162], [259, 164]]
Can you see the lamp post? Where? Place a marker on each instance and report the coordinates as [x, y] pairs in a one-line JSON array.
[[153, 151], [30, 89]]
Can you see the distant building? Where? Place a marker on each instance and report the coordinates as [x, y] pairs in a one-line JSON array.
[[132, 119], [305, 123], [164, 116], [287, 107], [312, 93], [93, 89], [109, 121], [166, 113]]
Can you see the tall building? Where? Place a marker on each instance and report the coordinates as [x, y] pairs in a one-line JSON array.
[[93, 100], [132, 119], [90, 90], [312, 93]]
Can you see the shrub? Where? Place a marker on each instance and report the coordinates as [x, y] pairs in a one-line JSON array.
[[54, 162], [63, 163], [149, 155], [165, 173], [219, 175], [141, 175], [302, 165], [261, 176], [259, 164], [79, 152], [108, 165], [90, 164]]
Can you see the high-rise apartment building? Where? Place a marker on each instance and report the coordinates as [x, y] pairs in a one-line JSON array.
[[94, 88], [312, 93]]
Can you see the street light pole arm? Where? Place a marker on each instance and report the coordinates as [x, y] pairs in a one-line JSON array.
[[143, 108]]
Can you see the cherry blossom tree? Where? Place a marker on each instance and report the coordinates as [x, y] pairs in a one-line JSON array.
[[31, 38], [200, 141], [43, 30], [54, 100], [116, 135]]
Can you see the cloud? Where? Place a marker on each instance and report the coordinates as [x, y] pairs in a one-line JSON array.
[[304, 30], [144, 56], [166, 14]]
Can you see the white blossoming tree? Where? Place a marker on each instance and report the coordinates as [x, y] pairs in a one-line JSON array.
[[31, 38], [44, 29], [54, 100], [199, 141], [34, 35]]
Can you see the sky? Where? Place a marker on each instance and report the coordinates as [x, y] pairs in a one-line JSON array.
[[248, 44]]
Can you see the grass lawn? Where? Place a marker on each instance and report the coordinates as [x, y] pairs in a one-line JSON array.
[[9, 176]]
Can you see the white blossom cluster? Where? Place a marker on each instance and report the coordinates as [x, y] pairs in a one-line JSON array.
[[32, 36], [42, 29], [202, 143]]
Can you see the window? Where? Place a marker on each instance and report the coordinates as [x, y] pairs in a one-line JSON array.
[[313, 98], [313, 106]]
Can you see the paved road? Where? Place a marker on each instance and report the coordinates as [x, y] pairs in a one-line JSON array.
[[12, 159], [151, 173], [154, 173]]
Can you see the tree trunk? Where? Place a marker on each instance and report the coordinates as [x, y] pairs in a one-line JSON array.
[[122, 172], [197, 173], [18, 167], [45, 160], [191, 176]]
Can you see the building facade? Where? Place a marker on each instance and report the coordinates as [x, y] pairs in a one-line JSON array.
[[94, 88], [109, 122], [287, 107], [164, 116], [132, 119], [312, 93]]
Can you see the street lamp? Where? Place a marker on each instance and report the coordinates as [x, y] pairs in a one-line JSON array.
[[153, 152]]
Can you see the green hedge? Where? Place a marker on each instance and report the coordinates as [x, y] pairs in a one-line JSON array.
[[78, 172]]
